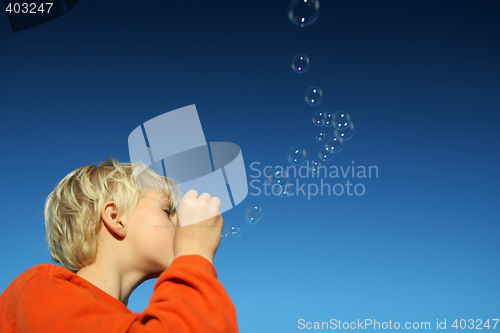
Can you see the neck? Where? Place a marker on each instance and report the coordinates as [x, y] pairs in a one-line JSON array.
[[111, 280]]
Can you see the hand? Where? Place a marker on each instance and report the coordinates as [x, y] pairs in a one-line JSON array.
[[199, 226]]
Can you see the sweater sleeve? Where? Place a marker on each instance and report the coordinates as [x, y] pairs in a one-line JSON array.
[[187, 298]]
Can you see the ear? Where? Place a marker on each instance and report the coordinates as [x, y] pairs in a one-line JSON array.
[[113, 220]]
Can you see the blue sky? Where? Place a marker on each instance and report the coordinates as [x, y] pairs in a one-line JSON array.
[[420, 81]]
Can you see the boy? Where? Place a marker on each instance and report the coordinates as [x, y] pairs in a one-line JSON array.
[[110, 235]]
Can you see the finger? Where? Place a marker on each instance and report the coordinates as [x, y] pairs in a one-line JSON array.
[[191, 194], [205, 197], [216, 201]]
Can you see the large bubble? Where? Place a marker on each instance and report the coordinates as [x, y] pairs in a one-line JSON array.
[[303, 12]]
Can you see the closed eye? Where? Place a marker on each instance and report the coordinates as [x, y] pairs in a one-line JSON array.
[[170, 212]]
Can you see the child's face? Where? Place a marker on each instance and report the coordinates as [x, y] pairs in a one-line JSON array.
[[150, 235]]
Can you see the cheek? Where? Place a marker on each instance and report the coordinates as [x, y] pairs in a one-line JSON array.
[[158, 233], [155, 244], [162, 236]]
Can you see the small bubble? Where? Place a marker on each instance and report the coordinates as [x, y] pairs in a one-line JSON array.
[[225, 234], [303, 13], [268, 172], [276, 176], [321, 136], [341, 115], [297, 155], [314, 96], [300, 63], [329, 119], [342, 124], [335, 143], [253, 213], [318, 118], [314, 166], [234, 231], [325, 153], [285, 191], [347, 132]]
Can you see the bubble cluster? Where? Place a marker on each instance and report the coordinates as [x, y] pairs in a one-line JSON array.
[[303, 12], [300, 63], [297, 155], [253, 213], [314, 96]]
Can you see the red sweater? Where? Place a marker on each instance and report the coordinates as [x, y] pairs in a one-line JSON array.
[[48, 298]]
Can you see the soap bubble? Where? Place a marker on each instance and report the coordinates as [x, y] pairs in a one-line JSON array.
[[303, 12], [314, 166], [297, 155], [314, 96], [277, 176], [234, 231], [341, 115], [321, 136], [329, 119], [347, 131], [285, 191], [326, 153], [318, 118], [335, 143], [269, 171], [300, 63], [342, 124], [253, 213], [225, 234]]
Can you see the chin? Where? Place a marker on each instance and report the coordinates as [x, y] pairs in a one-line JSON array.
[[152, 275]]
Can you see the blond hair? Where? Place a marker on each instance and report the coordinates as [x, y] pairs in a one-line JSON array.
[[73, 209]]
